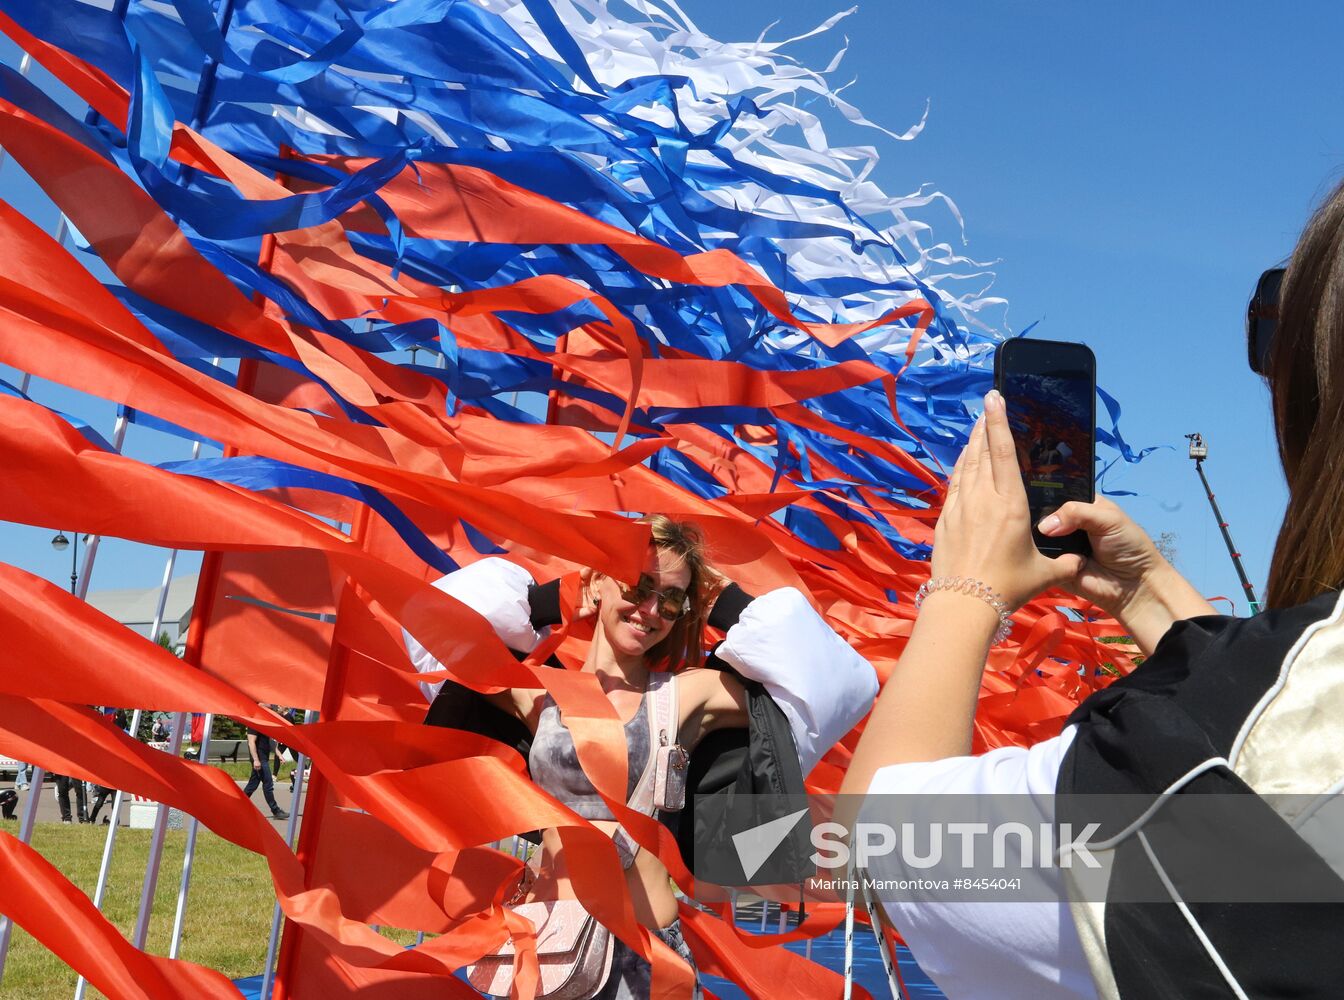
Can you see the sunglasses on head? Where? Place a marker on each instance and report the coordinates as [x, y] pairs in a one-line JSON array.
[[1262, 316], [672, 602]]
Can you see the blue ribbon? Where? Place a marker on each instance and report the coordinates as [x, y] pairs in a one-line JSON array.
[[256, 473]]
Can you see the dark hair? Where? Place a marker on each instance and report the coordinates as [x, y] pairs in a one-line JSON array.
[[1306, 379]]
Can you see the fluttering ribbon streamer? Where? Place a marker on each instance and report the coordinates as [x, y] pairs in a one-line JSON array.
[[638, 229]]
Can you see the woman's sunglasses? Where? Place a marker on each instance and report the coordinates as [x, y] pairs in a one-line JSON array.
[[1262, 316], [672, 602]]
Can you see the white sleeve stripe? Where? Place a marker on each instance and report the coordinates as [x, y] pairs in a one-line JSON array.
[[1209, 949]]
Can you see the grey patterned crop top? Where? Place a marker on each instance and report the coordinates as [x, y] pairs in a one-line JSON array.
[[555, 767]]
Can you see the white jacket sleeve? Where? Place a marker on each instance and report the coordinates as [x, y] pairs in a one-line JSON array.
[[994, 948], [494, 588], [822, 686]]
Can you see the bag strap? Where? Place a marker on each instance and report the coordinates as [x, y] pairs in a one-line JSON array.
[[661, 708]]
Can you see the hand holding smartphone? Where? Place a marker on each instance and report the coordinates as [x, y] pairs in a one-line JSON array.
[[1050, 390]]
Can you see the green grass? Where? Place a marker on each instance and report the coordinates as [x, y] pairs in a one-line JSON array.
[[242, 770], [228, 914]]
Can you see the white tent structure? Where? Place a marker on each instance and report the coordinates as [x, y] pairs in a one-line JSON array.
[[135, 608]]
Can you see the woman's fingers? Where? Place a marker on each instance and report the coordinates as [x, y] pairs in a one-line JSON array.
[[1002, 451], [1097, 518], [1064, 569], [954, 481], [972, 457], [961, 472], [587, 596]]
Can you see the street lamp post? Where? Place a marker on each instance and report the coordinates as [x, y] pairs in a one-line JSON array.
[[60, 543], [1199, 451]]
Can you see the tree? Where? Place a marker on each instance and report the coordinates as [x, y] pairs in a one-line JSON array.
[[225, 728], [1166, 546], [146, 730]]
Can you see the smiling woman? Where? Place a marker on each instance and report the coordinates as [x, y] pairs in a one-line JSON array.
[[763, 701], [667, 606]]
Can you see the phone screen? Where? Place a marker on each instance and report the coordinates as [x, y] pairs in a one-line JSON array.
[[1050, 392]]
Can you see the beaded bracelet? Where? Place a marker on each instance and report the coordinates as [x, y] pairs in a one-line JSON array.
[[973, 588]]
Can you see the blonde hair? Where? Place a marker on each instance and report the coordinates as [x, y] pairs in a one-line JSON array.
[[683, 646]]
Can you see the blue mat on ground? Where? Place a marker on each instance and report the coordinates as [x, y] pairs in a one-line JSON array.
[[828, 950], [868, 972]]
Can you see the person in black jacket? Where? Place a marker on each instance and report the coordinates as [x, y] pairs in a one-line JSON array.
[[101, 793], [741, 726], [1241, 716], [260, 747]]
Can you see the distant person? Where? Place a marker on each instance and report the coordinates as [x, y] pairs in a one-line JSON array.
[[101, 793], [63, 786], [259, 747], [278, 749]]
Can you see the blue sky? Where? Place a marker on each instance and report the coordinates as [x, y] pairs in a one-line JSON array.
[[1130, 169]]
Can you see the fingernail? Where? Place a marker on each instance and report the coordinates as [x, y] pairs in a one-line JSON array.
[[993, 401], [1048, 524]]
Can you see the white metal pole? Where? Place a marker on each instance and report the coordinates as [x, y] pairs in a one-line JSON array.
[[39, 774], [151, 881], [189, 854], [105, 868], [62, 228], [106, 864], [161, 817], [34, 793], [883, 944], [91, 547], [268, 973], [849, 932], [25, 836]]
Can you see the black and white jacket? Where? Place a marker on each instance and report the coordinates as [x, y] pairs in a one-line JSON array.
[[806, 687], [1251, 709], [1248, 710]]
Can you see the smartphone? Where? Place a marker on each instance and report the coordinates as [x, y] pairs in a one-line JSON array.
[[1050, 390]]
